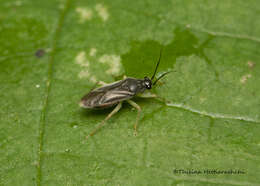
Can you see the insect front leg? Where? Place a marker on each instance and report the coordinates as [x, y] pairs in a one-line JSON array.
[[138, 114], [115, 110], [102, 83], [147, 95], [150, 95]]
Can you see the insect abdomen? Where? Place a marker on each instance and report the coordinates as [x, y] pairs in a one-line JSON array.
[[91, 100]]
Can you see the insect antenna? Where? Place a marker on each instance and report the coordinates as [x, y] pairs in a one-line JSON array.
[[157, 65], [163, 74]]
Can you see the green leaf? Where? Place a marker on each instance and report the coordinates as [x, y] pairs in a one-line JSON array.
[[54, 52]]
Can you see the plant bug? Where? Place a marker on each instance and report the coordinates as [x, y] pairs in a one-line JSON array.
[[115, 93]]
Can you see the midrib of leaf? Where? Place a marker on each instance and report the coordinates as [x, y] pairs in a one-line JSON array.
[[48, 89]]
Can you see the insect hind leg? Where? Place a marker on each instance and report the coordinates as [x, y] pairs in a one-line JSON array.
[[132, 103], [114, 111]]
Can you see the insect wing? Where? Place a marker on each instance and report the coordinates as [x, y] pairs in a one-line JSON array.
[[110, 86], [106, 96], [114, 96]]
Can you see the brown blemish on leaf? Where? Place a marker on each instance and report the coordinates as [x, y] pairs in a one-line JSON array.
[[250, 64], [114, 63], [83, 61], [93, 52], [102, 11], [245, 78], [84, 13]]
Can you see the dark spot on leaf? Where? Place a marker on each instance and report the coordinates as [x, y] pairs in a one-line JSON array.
[[141, 60], [39, 53]]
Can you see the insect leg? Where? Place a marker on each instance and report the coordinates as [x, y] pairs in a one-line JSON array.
[[102, 83], [147, 95], [115, 110], [138, 113]]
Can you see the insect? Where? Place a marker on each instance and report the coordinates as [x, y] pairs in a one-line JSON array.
[[115, 93]]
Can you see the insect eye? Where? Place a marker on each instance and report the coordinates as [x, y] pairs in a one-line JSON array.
[[148, 84]]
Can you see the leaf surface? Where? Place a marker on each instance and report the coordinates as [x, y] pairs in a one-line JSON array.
[[54, 52]]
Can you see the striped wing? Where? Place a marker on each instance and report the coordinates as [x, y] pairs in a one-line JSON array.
[[107, 96]]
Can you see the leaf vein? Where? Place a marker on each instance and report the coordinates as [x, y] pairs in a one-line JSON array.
[[225, 34], [212, 115], [42, 123]]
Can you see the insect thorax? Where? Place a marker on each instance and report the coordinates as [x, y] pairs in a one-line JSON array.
[[133, 85]]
